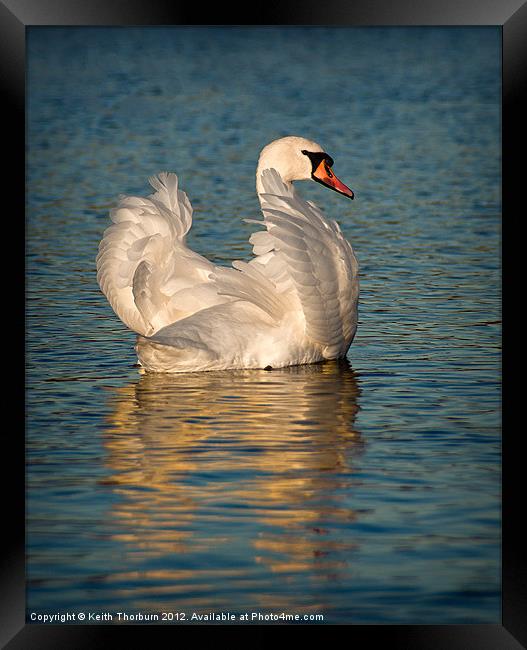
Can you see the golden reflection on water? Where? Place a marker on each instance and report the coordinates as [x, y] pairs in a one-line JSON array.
[[204, 461]]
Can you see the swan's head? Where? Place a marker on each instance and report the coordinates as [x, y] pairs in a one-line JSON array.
[[298, 159]]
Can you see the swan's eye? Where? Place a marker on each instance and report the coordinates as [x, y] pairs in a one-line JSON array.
[[304, 151]]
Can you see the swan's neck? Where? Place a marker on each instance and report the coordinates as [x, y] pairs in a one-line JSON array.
[[287, 172]]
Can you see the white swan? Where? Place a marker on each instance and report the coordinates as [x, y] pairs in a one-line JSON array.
[[295, 302]]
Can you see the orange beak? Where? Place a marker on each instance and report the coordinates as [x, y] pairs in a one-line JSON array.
[[324, 175]]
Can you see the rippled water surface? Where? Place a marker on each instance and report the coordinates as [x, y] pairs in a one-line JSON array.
[[368, 490]]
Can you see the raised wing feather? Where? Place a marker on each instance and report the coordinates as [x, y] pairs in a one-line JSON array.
[[173, 202], [144, 266], [152, 279], [304, 254]]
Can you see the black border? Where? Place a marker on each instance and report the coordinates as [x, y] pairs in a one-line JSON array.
[[15, 15]]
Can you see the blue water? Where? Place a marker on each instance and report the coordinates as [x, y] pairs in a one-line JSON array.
[[367, 491]]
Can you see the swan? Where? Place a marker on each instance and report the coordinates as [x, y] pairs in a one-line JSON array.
[[295, 302]]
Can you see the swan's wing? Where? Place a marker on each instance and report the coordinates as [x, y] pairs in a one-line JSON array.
[[144, 267], [303, 253]]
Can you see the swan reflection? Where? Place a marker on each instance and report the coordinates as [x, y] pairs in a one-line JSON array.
[[249, 467]]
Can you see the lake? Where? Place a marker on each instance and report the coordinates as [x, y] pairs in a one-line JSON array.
[[366, 490]]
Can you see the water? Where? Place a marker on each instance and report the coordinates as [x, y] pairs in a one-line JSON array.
[[367, 491]]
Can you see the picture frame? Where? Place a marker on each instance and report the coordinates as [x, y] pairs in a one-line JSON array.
[[15, 17]]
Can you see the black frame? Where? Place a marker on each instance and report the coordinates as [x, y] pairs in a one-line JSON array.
[[15, 15]]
